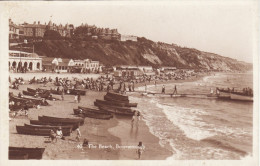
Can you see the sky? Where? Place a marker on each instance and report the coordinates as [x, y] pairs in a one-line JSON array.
[[227, 29]]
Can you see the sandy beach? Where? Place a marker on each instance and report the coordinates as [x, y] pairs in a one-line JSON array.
[[111, 137]]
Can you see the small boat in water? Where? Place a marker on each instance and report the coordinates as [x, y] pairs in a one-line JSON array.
[[23, 153], [228, 94], [239, 97]]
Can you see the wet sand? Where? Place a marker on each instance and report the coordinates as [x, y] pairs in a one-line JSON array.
[[98, 132]]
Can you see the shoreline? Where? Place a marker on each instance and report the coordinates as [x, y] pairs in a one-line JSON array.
[[105, 132]]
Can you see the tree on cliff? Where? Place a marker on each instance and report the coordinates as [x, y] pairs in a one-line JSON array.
[[51, 35]]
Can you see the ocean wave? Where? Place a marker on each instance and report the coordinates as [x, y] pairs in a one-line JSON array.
[[224, 145], [188, 121]]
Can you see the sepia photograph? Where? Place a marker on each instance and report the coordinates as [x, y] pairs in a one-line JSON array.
[[118, 80]]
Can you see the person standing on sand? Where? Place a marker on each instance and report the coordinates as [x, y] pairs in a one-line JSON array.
[[133, 121], [79, 98], [163, 89], [140, 150], [175, 90], [75, 98], [62, 95], [78, 134]]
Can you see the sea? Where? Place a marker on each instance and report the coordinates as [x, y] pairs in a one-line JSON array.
[[200, 128]]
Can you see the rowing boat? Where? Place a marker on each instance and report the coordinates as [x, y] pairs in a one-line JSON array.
[[63, 128], [113, 107], [118, 96], [115, 111], [95, 115], [63, 120], [37, 131], [37, 122], [113, 100], [20, 152]]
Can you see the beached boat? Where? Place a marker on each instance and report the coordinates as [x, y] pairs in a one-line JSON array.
[[37, 131], [95, 115], [28, 93], [76, 92], [17, 155], [26, 100], [87, 109], [25, 153], [115, 111], [113, 100], [118, 96], [62, 120], [63, 128], [39, 90], [19, 107], [37, 122], [110, 103], [114, 107]]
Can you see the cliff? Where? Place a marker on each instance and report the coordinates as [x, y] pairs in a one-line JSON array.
[[142, 52]]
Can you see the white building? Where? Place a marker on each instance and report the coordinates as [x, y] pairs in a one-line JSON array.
[[128, 38], [20, 59]]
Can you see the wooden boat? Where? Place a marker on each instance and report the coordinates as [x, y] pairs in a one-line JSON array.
[[110, 103], [63, 128], [32, 153], [227, 94], [63, 120], [19, 107], [37, 131], [94, 115], [76, 92], [239, 97], [118, 96], [37, 122], [17, 155], [26, 100], [115, 111], [113, 100], [39, 90], [114, 107], [86, 109], [31, 90], [29, 93]]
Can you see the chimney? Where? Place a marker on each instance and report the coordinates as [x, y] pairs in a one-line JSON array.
[[38, 22], [34, 22]]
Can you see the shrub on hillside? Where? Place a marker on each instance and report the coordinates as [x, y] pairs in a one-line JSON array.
[[52, 35]]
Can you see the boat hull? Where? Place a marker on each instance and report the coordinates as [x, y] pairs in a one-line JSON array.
[[25, 153], [241, 97]]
